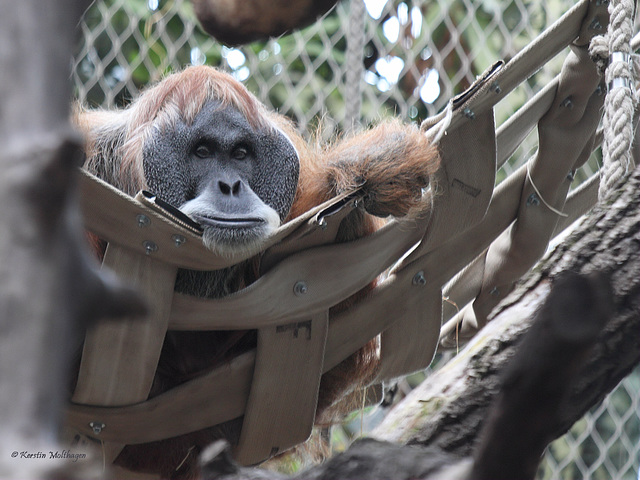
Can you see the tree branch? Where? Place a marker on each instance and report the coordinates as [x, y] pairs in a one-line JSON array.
[[447, 410], [530, 380]]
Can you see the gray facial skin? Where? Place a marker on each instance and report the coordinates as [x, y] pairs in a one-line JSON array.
[[237, 182]]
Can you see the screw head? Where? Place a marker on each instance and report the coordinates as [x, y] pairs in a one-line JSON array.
[[567, 103], [470, 114], [149, 247], [419, 279], [300, 288], [533, 200], [178, 240], [143, 221], [96, 427]]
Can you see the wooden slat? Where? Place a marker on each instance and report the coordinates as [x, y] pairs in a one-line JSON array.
[[113, 216], [410, 343], [464, 183], [119, 359], [284, 391], [213, 398], [331, 273]]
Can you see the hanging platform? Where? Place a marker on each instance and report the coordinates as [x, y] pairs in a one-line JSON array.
[[473, 235]]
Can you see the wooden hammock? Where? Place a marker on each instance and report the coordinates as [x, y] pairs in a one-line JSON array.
[[275, 387]]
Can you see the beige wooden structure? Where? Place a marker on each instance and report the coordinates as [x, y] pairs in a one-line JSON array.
[[475, 240]]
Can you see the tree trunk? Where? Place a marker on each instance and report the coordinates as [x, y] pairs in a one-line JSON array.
[[447, 410], [508, 394], [49, 288]]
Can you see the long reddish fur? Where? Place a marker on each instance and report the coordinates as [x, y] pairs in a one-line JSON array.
[[391, 162]]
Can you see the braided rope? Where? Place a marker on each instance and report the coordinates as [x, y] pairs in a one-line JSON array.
[[355, 66], [613, 51]]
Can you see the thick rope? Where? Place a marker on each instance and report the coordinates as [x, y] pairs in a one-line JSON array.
[[613, 51], [355, 66]]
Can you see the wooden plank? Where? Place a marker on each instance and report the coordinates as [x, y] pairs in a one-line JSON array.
[[528, 61], [332, 273], [284, 393], [464, 183], [119, 359], [114, 216], [410, 343], [213, 398]]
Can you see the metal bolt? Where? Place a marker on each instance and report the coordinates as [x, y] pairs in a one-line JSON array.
[[595, 24], [300, 288], [96, 427], [469, 113], [143, 221], [149, 247], [567, 103], [533, 200], [178, 240], [495, 87], [419, 279], [322, 223]]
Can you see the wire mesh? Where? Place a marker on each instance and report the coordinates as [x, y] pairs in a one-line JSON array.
[[365, 60]]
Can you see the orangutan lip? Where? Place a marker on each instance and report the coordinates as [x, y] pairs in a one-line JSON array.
[[229, 222]]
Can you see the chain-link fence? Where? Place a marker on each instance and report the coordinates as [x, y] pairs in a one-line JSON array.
[[362, 62], [365, 60]]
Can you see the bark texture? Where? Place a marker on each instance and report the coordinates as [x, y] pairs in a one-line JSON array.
[[49, 287], [448, 409], [540, 364]]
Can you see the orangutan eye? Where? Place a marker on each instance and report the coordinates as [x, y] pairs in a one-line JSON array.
[[202, 151], [240, 152]]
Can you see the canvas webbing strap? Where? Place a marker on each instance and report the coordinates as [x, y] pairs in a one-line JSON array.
[[406, 306], [572, 25], [282, 401], [469, 283], [137, 224]]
